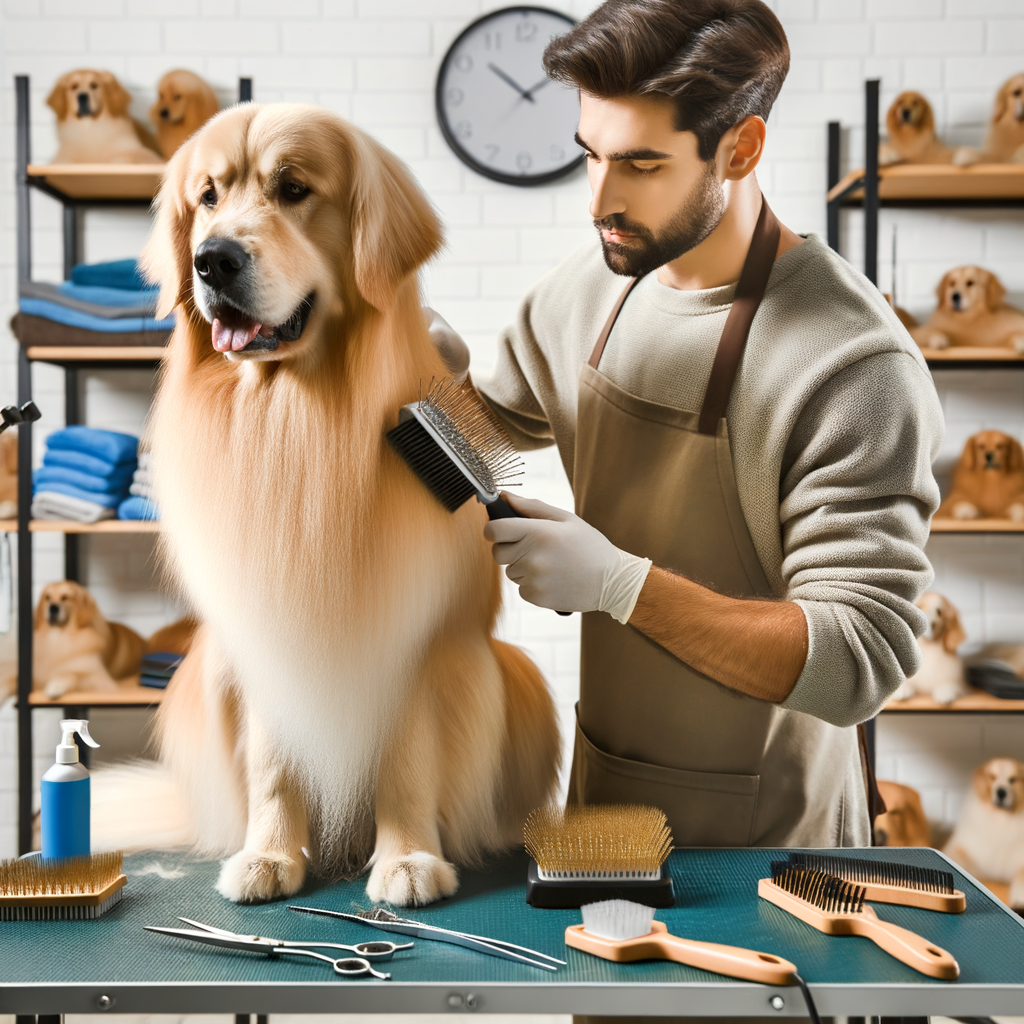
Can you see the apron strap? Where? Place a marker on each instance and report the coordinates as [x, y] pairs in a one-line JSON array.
[[602, 338], [750, 289]]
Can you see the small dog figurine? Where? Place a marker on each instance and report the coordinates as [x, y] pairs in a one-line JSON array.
[[1004, 142], [911, 125], [904, 822], [941, 675], [184, 104], [971, 311], [988, 482], [989, 837], [93, 125]]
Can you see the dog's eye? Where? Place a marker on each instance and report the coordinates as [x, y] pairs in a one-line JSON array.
[[177, 97], [209, 197], [293, 191], [970, 284]]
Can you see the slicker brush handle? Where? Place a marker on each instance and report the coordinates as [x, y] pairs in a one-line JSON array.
[[909, 947], [733, 961]]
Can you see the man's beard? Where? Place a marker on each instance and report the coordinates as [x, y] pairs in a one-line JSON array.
[[692, 223]]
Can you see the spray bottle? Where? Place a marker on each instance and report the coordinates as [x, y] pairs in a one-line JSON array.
[[65, 797]]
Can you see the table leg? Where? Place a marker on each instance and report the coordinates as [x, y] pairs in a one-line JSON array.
[[903, 1020], [240, 1018]]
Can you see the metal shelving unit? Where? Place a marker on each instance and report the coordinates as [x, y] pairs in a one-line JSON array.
[[76, 188]]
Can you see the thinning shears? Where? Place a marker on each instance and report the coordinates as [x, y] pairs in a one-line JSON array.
[[348, 967], [389, 922]]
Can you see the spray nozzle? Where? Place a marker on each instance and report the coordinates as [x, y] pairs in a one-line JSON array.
[[67, 751]]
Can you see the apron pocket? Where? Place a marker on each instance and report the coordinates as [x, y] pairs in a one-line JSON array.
[[703, 808]]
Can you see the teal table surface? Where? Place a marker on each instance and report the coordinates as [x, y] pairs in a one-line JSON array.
[[66, 967]]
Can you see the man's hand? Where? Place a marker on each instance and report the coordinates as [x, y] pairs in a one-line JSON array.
[[561, 562]]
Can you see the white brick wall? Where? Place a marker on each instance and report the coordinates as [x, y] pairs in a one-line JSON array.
[[374, 61]]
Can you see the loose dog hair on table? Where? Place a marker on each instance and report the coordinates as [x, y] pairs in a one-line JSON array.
[[345, 695]]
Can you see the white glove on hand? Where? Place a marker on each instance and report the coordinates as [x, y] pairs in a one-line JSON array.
[[562, 562], [449, 344]]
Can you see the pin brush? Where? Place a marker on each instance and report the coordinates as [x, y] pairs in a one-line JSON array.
[[79, 888]]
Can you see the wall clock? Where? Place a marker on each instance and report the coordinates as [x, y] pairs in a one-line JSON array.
[[498, 110]]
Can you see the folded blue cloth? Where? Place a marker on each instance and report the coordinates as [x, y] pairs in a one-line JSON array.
[[43, 479], [87, 463], [105, 500], [113, 274], [109, 296], [137, 507], [87, 321], [103, 444]]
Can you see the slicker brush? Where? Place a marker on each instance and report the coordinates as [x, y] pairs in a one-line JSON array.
[[79, 888], [589, 853]]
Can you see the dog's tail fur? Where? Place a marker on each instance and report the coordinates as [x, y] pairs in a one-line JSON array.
[[138, 806]]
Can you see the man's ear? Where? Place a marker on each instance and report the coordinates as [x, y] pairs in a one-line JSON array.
[[746, 147], [167, 257], [58, 98], [394, 228]]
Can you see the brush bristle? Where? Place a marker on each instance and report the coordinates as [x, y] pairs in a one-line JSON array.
[[617, 919], [625, 841], [867, 872], [825, 891], [58, 912], [431, 463], [76, 876]]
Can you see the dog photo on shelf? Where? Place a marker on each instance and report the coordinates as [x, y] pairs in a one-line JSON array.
[[988, 481]]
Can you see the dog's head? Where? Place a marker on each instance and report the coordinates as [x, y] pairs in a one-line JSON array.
[[65, 602], [1009, 104], [273, 219], [969, 291], [910, 114], [992, 451], [904, 822], [181, 93], [88, 93], [1000, 782], [943, 621]]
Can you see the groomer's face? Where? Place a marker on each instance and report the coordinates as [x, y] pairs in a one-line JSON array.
[[653, 197]]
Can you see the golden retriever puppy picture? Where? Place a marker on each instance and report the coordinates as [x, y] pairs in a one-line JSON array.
[[988, 482], [910, 123], [941, 675], [184, 103], [904, 822], [1004, 142], [988, 840], [971, 311], [345, 704], [93, 125]]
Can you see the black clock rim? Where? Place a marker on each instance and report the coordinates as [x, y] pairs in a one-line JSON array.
[[523, 180]]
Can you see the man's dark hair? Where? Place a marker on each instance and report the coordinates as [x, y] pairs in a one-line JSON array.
[[718, 60]]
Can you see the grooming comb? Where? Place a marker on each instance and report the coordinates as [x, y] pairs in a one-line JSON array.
[[79, 888], [836, 907], [587, 854], [885, 882]]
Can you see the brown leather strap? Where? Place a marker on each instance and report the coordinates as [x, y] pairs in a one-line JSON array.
[[876, 802], [753, 280], [602, 338]]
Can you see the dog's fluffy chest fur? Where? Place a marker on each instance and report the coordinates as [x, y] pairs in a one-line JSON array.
[[993, 838]]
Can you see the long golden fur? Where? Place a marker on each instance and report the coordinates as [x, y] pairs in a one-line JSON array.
[[345, 693], [904, 822], [93, 124], [988, 482], [910, 123], [9, 474], [971, 312], [1004, 142], [184, 103]]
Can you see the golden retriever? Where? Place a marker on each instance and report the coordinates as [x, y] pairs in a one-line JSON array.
[[345, 695], [988, 840], [941, 675], [988, 482], [1004, 142], [910, 122], [971, 311], [93, 125], [9, 474], [184, 104], [904, 822]]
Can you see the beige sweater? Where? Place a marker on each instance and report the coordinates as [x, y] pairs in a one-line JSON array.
[[833, 421]]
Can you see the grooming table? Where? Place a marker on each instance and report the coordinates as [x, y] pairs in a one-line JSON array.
[[111, 963]]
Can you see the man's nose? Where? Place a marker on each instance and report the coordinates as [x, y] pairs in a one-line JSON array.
[[218, 261], [604, 199]]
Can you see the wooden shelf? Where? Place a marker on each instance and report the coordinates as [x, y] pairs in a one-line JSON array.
[[129, 695], [967, 354], [100, 181], [976, 526], [940, 182], [99, 354], [70, 526], [977, 701]]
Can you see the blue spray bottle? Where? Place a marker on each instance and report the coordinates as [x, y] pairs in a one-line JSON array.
[[65, 797]]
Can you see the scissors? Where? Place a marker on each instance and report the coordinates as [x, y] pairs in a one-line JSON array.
[[389, 922], [347, 967]]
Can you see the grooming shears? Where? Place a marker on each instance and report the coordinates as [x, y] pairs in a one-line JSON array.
[[389, 922], [347, 967]]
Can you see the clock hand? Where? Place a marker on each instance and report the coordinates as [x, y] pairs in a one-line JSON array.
[[533, 88], [511, 81]]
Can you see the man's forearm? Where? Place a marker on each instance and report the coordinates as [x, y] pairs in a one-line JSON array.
[[756, 647]]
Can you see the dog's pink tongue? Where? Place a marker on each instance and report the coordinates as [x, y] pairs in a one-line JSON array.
[[231, 339]]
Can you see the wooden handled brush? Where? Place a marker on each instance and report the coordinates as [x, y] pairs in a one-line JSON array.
[[887, 882], [33, 889], [836, 907]]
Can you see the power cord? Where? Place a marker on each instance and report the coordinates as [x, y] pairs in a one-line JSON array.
[[812, 1010]]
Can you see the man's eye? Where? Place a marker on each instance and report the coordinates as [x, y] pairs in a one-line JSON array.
[[294, 190], [646, 168], [209, 197]]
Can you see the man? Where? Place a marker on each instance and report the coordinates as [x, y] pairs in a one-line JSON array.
[[752, 477]]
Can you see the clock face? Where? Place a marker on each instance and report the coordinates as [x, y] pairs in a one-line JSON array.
[[497, 108]]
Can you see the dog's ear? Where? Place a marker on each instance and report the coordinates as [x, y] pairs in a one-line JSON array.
[[1001, 102], [928, 121], [117, 97], [58, 98], [39, 619], [940, 289], [394, 227], [1014, 455], [979, 779], [994, 292], [167, 257], [85, 608], [954, 634]]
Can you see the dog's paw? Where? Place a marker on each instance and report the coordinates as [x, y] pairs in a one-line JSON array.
[[58, 686], [946, 694], [937, 340], [1017, 343], [412, 880], [1016, 512], [965, 510], [254, 876], [964, 156]]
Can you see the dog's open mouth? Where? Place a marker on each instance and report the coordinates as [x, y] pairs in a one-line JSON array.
[[236, 331]]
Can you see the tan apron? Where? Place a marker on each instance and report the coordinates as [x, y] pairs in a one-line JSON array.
[[727, 769]]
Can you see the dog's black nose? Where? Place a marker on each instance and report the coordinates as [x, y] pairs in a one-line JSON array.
[[955, 299], [53, 613], [83, 104], [218, 261], [907, 113], [165, 113], [1000, 794]]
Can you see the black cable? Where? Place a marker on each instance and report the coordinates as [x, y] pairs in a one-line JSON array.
[[812, 1010]]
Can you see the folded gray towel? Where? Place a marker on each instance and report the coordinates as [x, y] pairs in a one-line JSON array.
[[51, 505], [50, 292]]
